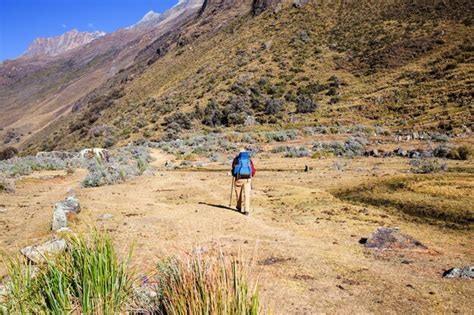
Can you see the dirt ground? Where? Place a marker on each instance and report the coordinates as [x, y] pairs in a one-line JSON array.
[[304, 242]]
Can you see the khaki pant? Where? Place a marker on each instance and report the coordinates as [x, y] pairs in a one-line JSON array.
[[243, 188]]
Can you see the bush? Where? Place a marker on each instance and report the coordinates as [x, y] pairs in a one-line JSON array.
[[178, 121], [441, 151], [305, 104], [352, 147], [8, 153], [293, 152], [281, 136], [212, 114], [7, 185], [273, 106], [427, 166], [460, 153], [124, 163]]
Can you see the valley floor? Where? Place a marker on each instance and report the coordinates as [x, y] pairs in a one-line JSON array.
[[303, 241]]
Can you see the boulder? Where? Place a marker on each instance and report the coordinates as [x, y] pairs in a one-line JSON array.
[[391, 239], [465, 272], [38, 253], [400, 152], [65, 211]]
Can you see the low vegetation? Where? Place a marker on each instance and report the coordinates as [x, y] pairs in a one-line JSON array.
[[89, 278], [441, 199], [7, 184], [124, 163]]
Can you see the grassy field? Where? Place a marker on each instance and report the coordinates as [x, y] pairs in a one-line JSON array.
[[444, 199]]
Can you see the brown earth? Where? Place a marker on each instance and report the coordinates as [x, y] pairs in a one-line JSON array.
[[304, 242]]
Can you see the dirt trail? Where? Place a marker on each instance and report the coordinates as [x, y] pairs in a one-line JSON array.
[[304, 241]]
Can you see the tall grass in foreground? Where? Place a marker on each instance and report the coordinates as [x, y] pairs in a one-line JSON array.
[[205, 286], [88, 278]]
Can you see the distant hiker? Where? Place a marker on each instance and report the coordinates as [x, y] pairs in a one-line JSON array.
[[242, 171]]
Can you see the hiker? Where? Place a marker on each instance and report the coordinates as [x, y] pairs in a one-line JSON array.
[[243, 171]]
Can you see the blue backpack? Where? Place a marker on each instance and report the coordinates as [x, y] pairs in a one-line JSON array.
[[242, 169]]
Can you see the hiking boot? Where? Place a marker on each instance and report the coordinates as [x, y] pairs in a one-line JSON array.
[[245, 213]]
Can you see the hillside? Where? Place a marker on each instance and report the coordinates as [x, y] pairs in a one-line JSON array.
[[37, 90], [404, 67]]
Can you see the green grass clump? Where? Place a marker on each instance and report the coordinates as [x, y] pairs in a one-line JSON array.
[[88, 278], [205, 286]]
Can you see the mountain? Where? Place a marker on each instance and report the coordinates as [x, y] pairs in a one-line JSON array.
[[36, 91], [53, 46], [263, 65]]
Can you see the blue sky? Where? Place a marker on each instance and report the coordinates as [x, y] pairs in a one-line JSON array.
[[21, 21]]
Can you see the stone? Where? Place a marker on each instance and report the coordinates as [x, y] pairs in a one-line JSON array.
[[268, 45], [105, 217], [148, 173], [465, 272], [300, 3], [65, 211], [391, 239], [38, 253]]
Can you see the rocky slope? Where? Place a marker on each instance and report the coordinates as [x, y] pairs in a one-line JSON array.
[[53, 46], [35, 91], [269, 64]]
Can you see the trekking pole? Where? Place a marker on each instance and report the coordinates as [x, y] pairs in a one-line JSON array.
[[231, 191]]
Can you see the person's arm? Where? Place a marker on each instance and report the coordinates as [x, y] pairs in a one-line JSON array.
[[234, 163]]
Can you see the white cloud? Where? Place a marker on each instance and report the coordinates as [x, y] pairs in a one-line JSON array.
[[63, 25]]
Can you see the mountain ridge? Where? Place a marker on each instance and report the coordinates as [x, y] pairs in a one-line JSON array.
[[283, 64], [53, 46]]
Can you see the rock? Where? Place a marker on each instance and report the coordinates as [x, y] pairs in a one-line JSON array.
[[148, 173], [400, 152], [465, 272], [299, 3], [38, 253], [268, 45], [392, 239], [3, 210], [65, 211], [105, 217]]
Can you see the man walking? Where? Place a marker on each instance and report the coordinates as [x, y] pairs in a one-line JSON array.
[[243, 171]]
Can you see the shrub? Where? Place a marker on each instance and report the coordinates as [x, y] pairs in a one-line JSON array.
[[8, 153], [281, 136], [124, 163], [178, 121], [438, 137], [460, 153], [212, 114], [441, 151], [7, 185], [427, 166], [273, 106], [305, 104], [294, 152]]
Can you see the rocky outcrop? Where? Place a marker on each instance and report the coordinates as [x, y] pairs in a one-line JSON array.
[[64, 212], [53, 46], [38, 253]]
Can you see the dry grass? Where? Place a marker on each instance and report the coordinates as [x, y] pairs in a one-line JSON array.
[[444, 199]]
